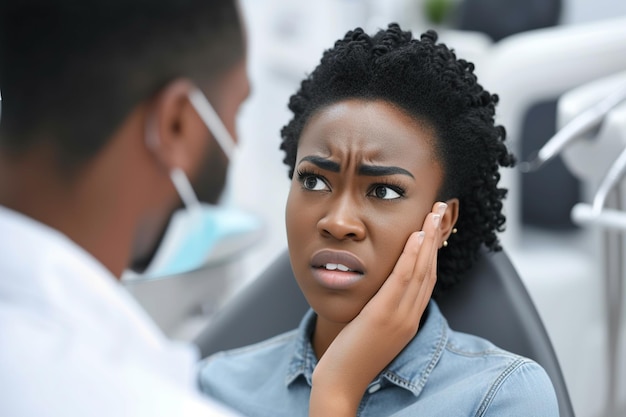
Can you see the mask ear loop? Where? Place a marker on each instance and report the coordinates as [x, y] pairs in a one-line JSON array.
[[177, 176], [213, 122], [185, 190]]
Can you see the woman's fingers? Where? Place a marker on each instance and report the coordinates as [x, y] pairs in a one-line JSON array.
[[405, 266], [414, 275], [424, 277]]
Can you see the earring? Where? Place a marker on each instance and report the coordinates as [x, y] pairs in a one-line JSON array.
[[445, 242]]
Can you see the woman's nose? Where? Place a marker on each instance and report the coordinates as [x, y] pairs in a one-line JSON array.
[[342, 221]]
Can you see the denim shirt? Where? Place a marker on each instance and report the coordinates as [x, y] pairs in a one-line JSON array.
[[439, 373]]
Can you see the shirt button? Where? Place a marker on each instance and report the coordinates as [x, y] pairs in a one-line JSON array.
[[373, 388]]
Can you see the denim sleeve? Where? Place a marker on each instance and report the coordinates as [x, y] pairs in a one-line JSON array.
[[206, 376], [521, 391]]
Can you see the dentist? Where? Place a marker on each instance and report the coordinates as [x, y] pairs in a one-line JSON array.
[[117, 119], [102, 140]]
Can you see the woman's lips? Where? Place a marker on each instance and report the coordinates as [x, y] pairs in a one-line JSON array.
[[336, 269]]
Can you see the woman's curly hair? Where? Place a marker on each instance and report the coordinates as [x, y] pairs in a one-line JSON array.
[[426, 80]]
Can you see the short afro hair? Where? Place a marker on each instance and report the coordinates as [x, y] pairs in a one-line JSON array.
[[426, 80]]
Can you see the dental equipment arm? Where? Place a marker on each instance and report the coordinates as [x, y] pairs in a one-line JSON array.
[[596, 213], [586, 121]]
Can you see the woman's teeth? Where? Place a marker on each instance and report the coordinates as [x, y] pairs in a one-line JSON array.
[[332, 267]]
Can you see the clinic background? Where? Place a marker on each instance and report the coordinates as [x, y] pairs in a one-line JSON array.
[[557, 260]]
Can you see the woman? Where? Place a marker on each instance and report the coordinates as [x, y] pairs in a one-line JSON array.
[[390, 135]]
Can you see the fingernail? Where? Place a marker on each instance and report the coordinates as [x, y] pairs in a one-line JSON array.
[[420, 237], [436, 219], [441, 208]]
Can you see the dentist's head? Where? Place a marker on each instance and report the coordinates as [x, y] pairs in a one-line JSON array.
[[116, 114]]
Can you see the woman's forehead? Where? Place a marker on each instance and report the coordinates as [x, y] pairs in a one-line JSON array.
[[375, 130]]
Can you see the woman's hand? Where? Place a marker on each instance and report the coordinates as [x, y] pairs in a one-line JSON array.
[[382, 329]]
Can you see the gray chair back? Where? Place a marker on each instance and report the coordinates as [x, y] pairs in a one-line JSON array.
[[491, 301]]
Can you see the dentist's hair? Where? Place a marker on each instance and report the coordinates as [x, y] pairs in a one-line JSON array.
[[71, 71], [427, 81]]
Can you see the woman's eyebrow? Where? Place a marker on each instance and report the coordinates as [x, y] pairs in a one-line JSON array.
[[322, 163], [367, 170], [379, 171]]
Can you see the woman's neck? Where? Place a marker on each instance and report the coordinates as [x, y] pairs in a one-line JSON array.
[[325, 332], [323, 335]]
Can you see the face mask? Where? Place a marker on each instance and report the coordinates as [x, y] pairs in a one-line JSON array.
[[199, 234]]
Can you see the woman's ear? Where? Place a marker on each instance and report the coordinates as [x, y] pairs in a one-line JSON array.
[[174, 132], [449, 219]]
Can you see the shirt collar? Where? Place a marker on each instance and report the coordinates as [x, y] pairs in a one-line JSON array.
[[303, 361], [409, 370]]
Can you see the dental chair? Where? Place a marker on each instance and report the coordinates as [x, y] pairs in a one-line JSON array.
[[491, 301]]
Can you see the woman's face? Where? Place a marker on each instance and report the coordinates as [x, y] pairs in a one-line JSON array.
[[365, 178]]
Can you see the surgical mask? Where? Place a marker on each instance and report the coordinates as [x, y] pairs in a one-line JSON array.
[[194, 230]]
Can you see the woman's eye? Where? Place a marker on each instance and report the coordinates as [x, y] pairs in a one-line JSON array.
[[313, 183], [385, 192]]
